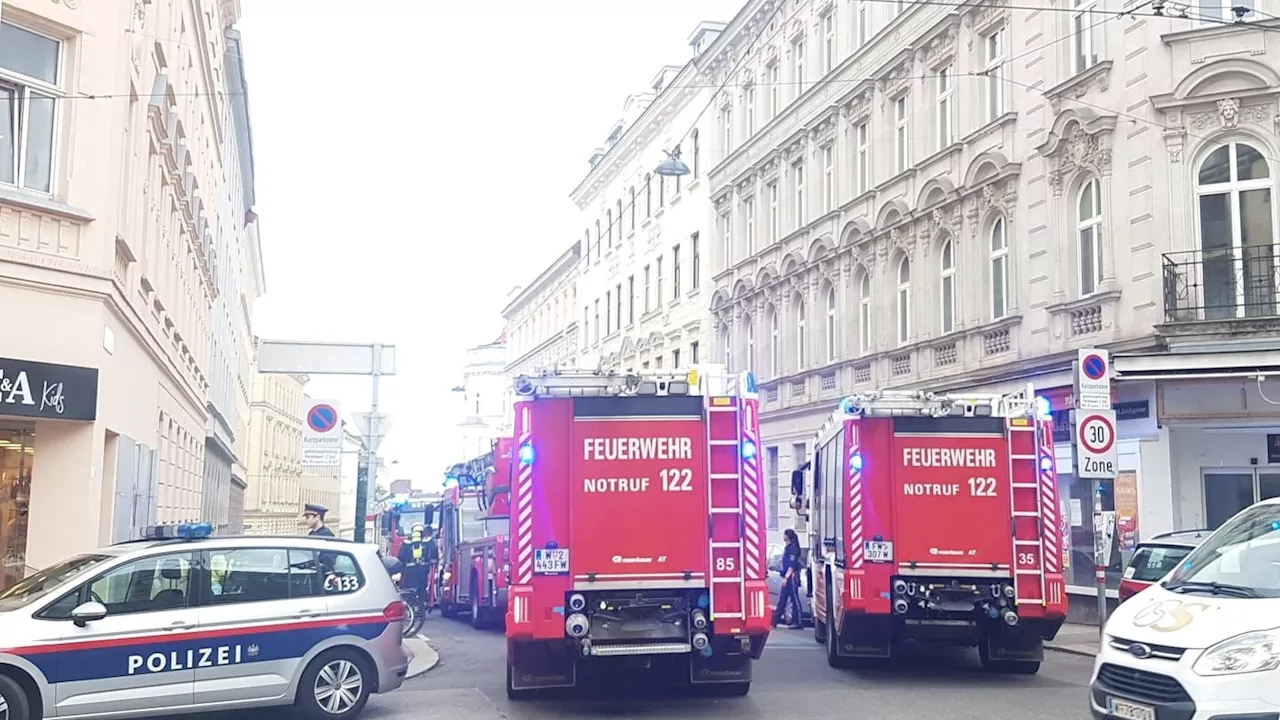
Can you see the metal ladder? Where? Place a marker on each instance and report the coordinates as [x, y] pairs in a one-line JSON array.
[[1024, 501], [725, 522]]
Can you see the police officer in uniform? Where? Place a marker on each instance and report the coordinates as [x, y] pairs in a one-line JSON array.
[[314, 515]]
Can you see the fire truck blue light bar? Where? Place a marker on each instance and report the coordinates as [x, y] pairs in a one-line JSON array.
[[526, 454], [748, 450]]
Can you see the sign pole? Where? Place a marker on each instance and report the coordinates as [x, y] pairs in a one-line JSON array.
[[367, 480], [1094, 456]]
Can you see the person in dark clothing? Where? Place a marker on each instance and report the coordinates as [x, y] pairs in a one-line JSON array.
[[418, 556], [790, 591], [314, 515]]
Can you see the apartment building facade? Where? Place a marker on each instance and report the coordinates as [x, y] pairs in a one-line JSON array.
[[108, 209], [961, 197], [644, 263], [482, 400], [542, 329], [273, 497]]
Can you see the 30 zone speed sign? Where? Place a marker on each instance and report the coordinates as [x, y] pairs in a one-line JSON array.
[[1096, 453]]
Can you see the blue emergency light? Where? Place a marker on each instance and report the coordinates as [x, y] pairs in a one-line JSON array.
[[450, 481], [1046, 463], [1044, 409], [855, 462], [748, 450], [183, 531], [526, 454]]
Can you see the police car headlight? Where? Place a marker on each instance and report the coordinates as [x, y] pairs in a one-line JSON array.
[[1247, 653]]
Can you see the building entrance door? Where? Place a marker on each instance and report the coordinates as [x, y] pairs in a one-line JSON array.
[[1227, 492]]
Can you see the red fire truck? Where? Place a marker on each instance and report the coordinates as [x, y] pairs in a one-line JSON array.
[[639, 530], [400, 514], [474, 525], [934, 518]]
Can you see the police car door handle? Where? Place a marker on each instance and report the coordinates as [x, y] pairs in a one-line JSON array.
[[178, 625], [305, 614]]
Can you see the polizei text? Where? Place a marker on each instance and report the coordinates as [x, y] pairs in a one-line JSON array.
[[647, 448]]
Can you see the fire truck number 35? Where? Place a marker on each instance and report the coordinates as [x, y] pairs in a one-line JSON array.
[[677, 480]]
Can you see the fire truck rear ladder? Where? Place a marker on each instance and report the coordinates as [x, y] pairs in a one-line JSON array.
[[728, 592], [1025, 493]]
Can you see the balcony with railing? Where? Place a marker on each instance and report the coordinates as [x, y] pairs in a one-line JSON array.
[[1222, 291]]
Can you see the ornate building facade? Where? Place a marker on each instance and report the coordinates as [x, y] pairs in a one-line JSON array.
[[961, 196]]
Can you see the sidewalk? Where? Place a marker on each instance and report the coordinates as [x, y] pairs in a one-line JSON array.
[[1076, 640], [422, 657]]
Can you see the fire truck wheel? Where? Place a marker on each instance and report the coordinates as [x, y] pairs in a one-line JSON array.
[[478, 615], [834, 659]]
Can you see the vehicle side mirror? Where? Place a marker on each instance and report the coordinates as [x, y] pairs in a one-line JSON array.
[[86, 613]]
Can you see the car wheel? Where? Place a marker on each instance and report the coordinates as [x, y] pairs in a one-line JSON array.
[[335, 686], [14, 704], [477, 612]]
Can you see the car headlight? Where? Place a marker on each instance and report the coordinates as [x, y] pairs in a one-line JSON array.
[[1247, 653]]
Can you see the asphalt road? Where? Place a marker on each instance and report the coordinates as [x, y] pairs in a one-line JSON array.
[[792, 682]]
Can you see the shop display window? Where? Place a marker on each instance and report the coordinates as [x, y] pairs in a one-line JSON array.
[[17, 451]]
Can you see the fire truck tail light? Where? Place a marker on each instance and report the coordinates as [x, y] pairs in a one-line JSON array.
[[526, 454]]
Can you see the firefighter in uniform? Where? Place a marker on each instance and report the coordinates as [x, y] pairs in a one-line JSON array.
[[418, 556]]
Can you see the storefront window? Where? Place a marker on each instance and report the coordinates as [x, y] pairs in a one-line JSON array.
[[17, 450], [1080, 503]]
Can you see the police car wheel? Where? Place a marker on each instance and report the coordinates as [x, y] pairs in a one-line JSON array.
[[13, 700], [336, 685]]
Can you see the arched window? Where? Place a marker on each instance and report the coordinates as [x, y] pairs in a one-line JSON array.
[[904, 301], [1236, 233], [999, 270], [775, 346], [1089, 234], [648, 195], [620, 221], [801, 336], [726, 343], [631, 208], [608, 219], [831, 325], [864, 315], [947, 287], [751, 343]]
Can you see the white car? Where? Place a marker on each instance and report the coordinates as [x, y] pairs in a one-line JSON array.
[[1205, 641], [183, 622]]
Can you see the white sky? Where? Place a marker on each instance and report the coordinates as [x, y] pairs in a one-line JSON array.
[[414, 162]]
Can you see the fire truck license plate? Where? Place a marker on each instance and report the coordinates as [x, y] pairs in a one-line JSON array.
[[551, 562], [1129, 711], [878, 551]]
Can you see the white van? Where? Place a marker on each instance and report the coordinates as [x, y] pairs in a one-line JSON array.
[[1205, 641]]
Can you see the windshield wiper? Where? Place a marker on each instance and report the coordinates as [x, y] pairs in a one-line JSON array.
[[1213, 588]]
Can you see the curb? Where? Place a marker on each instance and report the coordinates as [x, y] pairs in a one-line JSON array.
[[422, 657], [1070, 650]]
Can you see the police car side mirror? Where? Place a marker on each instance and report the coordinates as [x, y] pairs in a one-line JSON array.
[[86, 613]]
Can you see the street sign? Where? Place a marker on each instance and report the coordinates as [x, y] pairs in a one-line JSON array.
[[1097, 455], [322, 434], [364, 422], [1093, 380]]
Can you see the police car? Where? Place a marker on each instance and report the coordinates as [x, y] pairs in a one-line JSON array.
[[184, 622]]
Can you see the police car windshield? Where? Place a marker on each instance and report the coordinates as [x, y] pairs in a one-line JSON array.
[[34, 587]]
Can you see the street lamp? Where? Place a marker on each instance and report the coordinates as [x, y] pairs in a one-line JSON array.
[[673, 166]]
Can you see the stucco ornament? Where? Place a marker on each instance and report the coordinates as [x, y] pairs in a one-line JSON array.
[[1082, 151], [1229, 112]]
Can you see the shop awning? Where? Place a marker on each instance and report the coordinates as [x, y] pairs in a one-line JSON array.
[[1197, 365]]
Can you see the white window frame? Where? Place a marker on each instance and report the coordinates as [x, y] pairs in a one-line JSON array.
[[775, 213], [828, 42], [23, 87], [903, 275], [901, 134], [726, 129], [797, 177], [864, 23], [828, 178], [1216, 12], [751, 344], [994, 46], [831, 325], [865, 318], [749, 210], [946, 108], [797, 67], [749, 101], [1084, 35], [1089, 232], [726, 235], [775, 344], [774, 75], [863, 140], [801, 333], [947, 286], [999, 258], [1233, 188]]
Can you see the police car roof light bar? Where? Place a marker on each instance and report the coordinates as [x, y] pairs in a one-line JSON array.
[[699, 380], [182, 531]]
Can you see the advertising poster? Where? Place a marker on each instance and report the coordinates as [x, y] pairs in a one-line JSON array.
[[1126, 493], [1064, 524]]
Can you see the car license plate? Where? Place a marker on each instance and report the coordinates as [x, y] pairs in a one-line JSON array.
[[551, 562], [878, 551], [1129, 711]]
